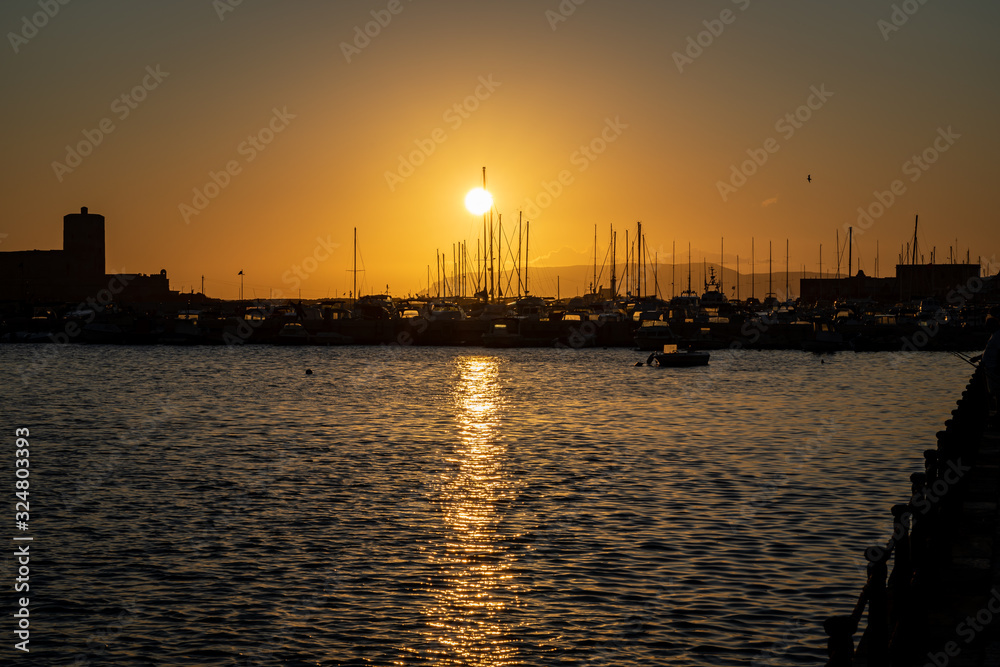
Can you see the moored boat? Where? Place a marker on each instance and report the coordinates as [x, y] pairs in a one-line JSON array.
[[653, 334], [674, 358], [506, 333]]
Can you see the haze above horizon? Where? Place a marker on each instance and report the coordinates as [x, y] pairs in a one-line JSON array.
[[224, 136]]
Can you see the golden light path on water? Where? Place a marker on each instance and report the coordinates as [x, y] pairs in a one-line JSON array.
[[467, 619]]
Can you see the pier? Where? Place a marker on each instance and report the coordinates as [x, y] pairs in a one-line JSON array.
[[932, 596]]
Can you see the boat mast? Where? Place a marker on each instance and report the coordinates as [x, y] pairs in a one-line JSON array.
[[641, 273], [850, 251], [492, 260], [673, 268], [753, 275], [500, 254], [527, 237], [656, 274], [689, 269], [788, 294], [628, 285], [645, 259], [519, 279], [593, 285], [838, 254], [355, 270], [614, 261], [645, 278], [484, 243]]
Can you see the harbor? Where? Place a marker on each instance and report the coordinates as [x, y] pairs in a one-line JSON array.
[[65, 296], [521, 334], [578, 322]]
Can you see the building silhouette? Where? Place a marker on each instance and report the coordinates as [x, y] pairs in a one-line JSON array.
[[77, 272], [911, 282]]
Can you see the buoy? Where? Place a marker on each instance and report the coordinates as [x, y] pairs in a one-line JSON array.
[[309, 371]]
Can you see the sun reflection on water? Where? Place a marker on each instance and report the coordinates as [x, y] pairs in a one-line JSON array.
[[468, 622]]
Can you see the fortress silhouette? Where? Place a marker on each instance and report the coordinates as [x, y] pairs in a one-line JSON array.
[[75, 273]]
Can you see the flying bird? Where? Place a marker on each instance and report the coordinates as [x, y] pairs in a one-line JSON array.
[[809, 178]]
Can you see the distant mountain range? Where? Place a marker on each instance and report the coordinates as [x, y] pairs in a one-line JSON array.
[[567, 281]]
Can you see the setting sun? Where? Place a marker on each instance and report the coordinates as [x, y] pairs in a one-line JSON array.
[[478, 201]]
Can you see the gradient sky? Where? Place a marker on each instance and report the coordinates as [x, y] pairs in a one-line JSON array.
[[556, 87]]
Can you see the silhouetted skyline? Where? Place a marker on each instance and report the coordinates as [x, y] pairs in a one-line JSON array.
[[257, 136]]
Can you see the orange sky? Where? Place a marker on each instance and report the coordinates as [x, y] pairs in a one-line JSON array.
[[313, 122]]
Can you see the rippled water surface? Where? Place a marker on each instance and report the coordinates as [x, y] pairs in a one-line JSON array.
[[415, 506]]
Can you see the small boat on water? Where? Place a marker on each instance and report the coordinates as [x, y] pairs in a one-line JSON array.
[[675, 358]]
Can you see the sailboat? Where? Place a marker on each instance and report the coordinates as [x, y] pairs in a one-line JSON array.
[[688, 299]]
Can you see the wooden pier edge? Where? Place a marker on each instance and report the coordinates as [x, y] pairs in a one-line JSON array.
[[937, 606]]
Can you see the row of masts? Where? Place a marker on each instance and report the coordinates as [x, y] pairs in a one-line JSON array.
[[499, 273], [495, 276], [491, 280], [635, 266], [630, 279], [909, 253]]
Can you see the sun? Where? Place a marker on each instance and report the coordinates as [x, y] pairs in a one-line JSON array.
[[478, 201]]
